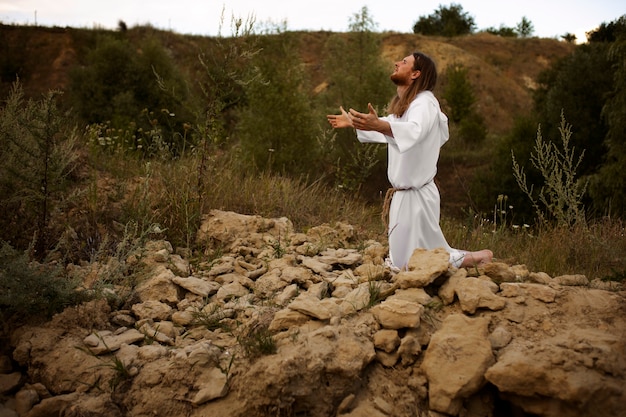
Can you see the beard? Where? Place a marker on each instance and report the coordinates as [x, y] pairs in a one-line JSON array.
[[397, 79]]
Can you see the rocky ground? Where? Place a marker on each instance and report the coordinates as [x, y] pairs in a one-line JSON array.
[[279, 323]]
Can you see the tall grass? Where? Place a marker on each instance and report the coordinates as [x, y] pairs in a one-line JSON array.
[[305, 203], [597, 250]]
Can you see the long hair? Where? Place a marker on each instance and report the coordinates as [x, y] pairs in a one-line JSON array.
[[426, 81]]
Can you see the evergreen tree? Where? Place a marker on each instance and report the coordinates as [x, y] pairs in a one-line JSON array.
[[37, 150]]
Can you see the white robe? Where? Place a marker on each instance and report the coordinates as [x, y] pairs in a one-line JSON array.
[[413, 152]]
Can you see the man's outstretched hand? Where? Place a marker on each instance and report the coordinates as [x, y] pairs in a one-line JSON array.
[[340, 120], [365, 121]]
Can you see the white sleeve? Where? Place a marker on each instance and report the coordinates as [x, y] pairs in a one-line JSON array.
[[370, 136], [416, 124]]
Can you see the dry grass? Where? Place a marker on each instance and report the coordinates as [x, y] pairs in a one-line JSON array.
[[167, 195], [596, 251]]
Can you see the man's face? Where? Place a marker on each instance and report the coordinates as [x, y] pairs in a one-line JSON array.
[[403, 73]]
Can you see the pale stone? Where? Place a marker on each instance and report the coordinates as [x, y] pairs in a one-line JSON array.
[[500, 337], [183, 318], [270, 283], [410, 348], [286, 295], [107, 342], [417, 295], [359, 297], [310, 306], [154, 334], [539, 278], [53, 406], [229, 291], [152, 309], [447, 292], [423, 268], [344, 257], [474, 293], [297, 274], [161, 255], [562, 370], [286, 319], [197, 286], [395, 313], [152, 352], [215, 385], [179, 266], [127, 354], [386, 340], [347, 278], [369, 272], [572, 280], [224, 228], [387, 359], [318, 290], [540, 292], [455, 362], [159, 287], [499, 272], [510, 290], [315, 265], [123, 319]]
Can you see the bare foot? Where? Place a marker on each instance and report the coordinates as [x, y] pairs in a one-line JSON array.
[[478, 258]]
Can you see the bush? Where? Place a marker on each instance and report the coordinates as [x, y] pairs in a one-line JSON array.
[[38, 153], [29, 289], [472, 129], [560, 197], [446, 21]]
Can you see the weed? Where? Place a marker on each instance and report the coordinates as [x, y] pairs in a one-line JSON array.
[[279, 249], [257, 341], [211, 319], [121, 371], [561, 195], [374, 289], [429, 315]]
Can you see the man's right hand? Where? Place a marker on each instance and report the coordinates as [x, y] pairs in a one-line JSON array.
[[340, 120]]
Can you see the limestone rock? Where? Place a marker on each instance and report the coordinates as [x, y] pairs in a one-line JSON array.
[[475, 293], [197, 286], [572, 280], [386, 340], [455, 362], [159, 287], [423, 268], [214, 385], [396, 313], [105, 341], [152, 309]]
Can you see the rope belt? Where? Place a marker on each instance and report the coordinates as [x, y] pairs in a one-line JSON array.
[[387, 204]]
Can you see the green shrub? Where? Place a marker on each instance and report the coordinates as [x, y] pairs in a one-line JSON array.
[[472, 129], [29, 289], [38, 157], [458, 92]]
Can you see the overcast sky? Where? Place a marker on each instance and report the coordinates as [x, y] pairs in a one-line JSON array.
[[550, 18]]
